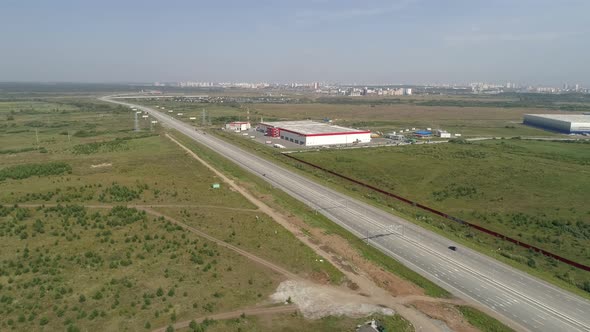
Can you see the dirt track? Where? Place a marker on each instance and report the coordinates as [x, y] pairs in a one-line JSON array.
[[235, 314]]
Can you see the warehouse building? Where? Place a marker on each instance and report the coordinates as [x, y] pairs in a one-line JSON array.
[[565, 123], [311, 133]]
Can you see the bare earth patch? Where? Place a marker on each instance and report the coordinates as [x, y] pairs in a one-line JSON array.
[[101, 165], [317, 301]]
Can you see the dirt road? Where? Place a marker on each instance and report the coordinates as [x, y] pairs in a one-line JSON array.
[[235, 314]]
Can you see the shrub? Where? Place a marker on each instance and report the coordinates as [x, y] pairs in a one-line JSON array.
[[28, 170]]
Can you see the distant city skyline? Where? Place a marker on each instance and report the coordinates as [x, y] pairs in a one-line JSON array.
[[528, 42]]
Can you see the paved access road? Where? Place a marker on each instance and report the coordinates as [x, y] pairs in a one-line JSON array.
[[529, 303]]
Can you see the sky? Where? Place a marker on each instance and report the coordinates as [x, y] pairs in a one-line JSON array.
[[536, 42]]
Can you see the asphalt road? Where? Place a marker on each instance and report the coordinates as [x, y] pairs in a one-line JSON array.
[[529, 303]]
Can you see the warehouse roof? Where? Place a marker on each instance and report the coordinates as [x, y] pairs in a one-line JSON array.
[[313, 128], [565, 117]]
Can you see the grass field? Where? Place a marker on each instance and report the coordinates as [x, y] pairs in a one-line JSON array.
[[471, 121], [77, 268], [531, 190], [260, 235], [74, 268]]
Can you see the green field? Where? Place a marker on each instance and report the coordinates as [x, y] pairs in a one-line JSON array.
[[74, 257], [535, 191], [75, 268]]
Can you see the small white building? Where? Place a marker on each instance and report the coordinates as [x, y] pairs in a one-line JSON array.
[[311, 133], [238, 126], [443, 133]]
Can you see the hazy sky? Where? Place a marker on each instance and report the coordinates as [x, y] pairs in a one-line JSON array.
[[362, 41]]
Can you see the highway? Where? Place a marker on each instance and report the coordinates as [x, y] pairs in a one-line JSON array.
[[527, 302]]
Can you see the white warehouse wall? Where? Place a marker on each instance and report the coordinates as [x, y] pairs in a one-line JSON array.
[[337, 139], [296, 138], [580, 127], [325, 139]]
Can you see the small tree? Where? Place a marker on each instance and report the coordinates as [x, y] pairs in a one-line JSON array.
[[43, 321]]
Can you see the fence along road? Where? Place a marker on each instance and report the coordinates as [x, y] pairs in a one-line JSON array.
[[528, 302]]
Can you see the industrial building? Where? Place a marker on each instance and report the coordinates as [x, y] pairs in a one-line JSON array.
[[443, 133], [565, 123], [312, 133], [237, 126]]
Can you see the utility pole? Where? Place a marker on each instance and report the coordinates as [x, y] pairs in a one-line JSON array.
[[203, 118], [37, 137]]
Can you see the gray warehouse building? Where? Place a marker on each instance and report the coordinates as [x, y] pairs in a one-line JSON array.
[[565, 123]]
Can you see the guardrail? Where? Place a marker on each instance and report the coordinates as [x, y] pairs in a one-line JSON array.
[[446, 216]]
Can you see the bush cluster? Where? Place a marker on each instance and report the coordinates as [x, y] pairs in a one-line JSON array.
[[28, 170]]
